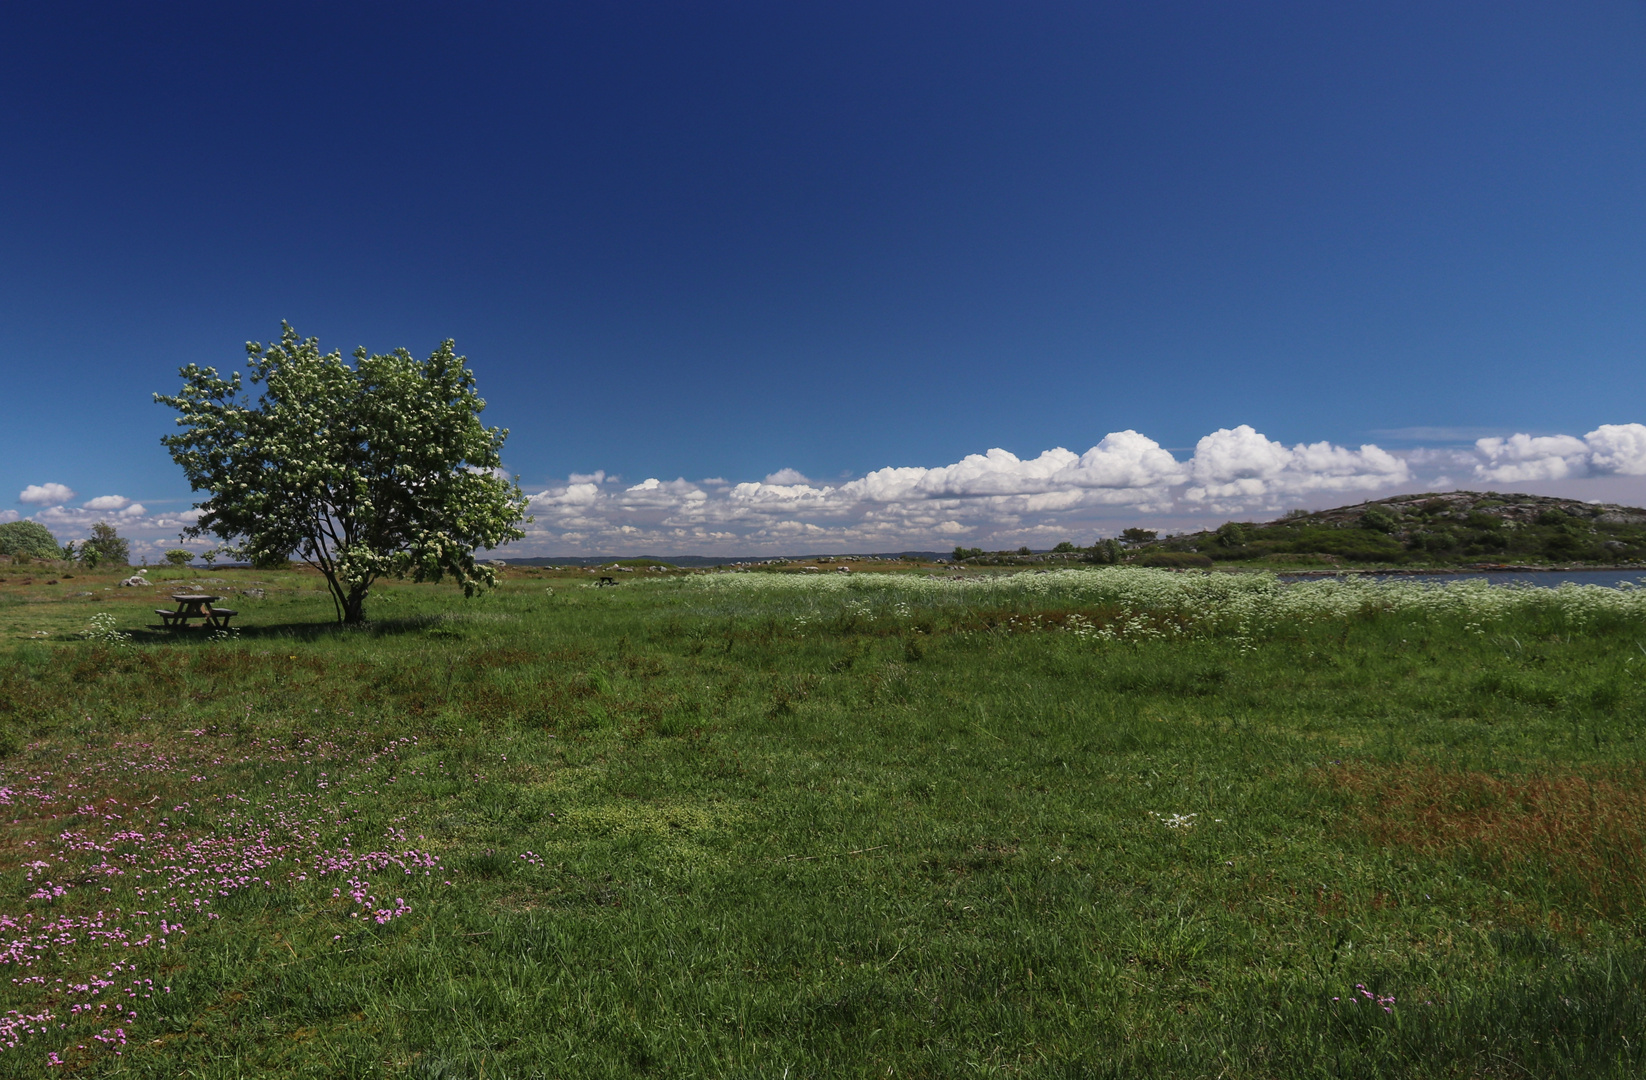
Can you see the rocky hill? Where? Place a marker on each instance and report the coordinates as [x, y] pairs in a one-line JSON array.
[[1434, 527]]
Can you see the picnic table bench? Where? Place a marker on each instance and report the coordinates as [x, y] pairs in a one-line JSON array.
[[196, 606]]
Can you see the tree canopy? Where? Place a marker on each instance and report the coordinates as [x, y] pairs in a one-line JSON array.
[[28, 538], [105, 545], [379, 468]]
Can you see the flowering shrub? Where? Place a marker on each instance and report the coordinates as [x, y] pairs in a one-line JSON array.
[[101, 629]]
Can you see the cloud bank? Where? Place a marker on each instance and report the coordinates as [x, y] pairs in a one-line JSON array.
[[999, 498], [990, 499], [1609, 450]]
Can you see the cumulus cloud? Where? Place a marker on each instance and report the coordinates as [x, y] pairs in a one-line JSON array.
[[1618, 449], [1609, 450], [992, 494], [85, 516], [46, 494], [8, 515], [107, 502], [177, 521], [1128, 466], [1240, 465]]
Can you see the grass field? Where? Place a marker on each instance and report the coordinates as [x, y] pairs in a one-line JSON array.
[[1083, 824]]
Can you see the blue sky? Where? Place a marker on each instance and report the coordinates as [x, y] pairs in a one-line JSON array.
[[886, 255]]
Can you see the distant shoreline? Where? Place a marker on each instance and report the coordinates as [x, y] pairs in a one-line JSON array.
[[1467, 568]]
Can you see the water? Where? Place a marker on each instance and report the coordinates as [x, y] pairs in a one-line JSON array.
[[1544, 578]]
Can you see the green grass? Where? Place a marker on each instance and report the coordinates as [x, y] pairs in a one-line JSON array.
[[834, 829]]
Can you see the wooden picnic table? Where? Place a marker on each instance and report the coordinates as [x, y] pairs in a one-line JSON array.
[[196, 606]]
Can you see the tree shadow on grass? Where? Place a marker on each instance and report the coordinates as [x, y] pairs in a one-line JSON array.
[[429, 625]]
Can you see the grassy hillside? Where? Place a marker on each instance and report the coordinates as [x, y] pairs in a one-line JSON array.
[[1099, 823]]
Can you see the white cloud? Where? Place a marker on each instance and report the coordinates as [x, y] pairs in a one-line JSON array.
[[1239, 466], [83, 518], [1618, 449], [1609, 450], [989, 495], [7, 515], [46, 494], [107, 502]]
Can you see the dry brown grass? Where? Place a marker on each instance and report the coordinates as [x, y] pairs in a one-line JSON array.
[[1580, 835]]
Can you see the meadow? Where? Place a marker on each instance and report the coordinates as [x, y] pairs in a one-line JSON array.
[[1091, 823]]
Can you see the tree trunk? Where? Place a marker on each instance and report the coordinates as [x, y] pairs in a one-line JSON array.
[[354, 607]]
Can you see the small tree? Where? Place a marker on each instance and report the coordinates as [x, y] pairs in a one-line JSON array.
[[379, 468], [179, 557], [1137, 536], [105, 546], [1064, 547]]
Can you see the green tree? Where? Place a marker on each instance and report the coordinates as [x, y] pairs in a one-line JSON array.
[[1137, 536], [1231, 534], [28, 538], [380, 468], [1105, 552], [105, 546], [179, 557], [1064, 547]]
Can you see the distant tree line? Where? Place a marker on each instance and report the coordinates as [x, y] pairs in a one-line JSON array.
[[23, 541]]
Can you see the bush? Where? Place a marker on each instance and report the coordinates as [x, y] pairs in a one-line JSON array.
[[1065, 547], [1175, 560], [1378, 520], [1439, 541], [28, 538], [967, 553], [1359, 545], [179, 557]]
